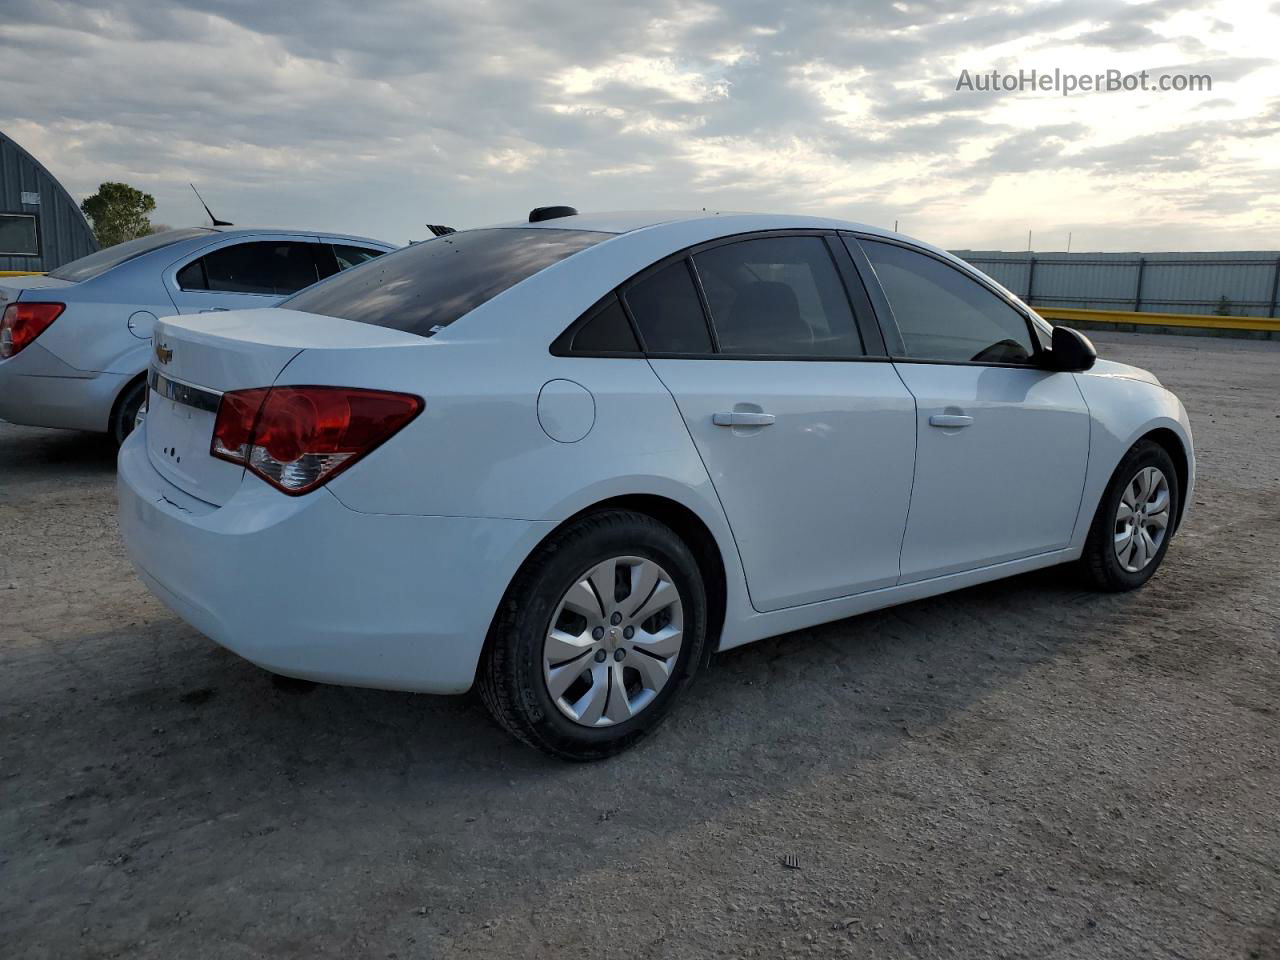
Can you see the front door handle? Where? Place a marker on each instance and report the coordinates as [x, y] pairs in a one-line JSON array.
[[950, 420], [741, 418]]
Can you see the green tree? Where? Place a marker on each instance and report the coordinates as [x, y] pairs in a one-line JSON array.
[[118, 213]]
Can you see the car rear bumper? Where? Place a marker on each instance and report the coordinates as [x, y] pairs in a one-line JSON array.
[[309, 588], [39, 390]]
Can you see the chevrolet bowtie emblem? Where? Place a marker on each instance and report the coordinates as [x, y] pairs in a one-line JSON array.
[[164, 353]]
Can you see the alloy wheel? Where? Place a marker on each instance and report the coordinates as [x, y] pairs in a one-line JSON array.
[[1142, 519], [613, 641]]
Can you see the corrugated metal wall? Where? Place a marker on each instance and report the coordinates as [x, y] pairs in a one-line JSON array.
[[62, 230], [1242, 284]]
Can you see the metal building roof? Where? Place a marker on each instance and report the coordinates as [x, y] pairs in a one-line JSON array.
[[28, 189]]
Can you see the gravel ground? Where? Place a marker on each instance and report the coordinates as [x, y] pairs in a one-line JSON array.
[[1023, 769]]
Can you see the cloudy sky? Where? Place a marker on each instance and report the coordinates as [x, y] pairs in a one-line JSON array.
[[378, 117]]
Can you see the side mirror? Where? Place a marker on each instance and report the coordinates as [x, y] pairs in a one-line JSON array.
[[1071, 352]]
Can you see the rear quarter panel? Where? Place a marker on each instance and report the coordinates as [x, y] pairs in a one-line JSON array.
[[478, 449], [93, 334]]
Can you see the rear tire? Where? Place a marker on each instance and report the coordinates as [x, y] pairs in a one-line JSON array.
[[1134, 522], [125, 412], [564, 681]]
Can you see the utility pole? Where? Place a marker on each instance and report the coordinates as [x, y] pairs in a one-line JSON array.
[[1068, 242], [1028, 241], [895, 226]]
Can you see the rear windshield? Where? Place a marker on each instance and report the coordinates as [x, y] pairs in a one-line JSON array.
[[86, 268], [424, 288]]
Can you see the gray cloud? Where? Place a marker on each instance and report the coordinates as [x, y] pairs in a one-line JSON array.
[[1041, 148], [1121, 36], [380, 116]]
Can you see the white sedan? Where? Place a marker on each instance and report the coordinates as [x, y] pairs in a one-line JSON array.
[[567, 459]]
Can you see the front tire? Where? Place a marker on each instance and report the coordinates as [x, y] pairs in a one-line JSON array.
[[603, 628], [1135, 520]]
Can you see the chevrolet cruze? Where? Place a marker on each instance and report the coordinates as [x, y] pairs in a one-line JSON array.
[[565, 460], [75, 345]]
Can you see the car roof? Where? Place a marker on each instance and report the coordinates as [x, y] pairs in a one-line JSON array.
[[628, 221], [324, 234]]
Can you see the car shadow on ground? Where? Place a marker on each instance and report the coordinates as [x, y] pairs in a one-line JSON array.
[[37, 454], [179, 718]]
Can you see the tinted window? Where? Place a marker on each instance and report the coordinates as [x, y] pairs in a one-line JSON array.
[[353, 256], [944, 314], [18, 235], [191, 277], [86, 268], [668, 311], [272, 268], [608, 331], [326, 260], [779, 296], [427, 286]]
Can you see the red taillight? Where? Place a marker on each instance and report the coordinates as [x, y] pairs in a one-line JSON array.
[[233, 428], [23, 322], [297, 438]]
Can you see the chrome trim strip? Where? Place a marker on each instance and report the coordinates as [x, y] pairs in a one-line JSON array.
[[183, 393]]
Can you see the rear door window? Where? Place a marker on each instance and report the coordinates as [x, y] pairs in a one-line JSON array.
[[349, 256], [270, 268], [779, 297]]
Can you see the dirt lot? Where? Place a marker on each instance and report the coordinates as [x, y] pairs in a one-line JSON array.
[[1018, 770]]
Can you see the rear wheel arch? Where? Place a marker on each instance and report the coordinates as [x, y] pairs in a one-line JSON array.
[[686, 524], [690, 528]]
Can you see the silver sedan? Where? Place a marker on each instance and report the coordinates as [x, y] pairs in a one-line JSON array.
[[74, 345]]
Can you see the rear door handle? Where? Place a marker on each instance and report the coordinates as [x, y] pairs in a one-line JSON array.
[[950, 420], [740, 418]]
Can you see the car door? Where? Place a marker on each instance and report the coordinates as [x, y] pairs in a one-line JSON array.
[[256, 271], [806, 431], [1002, 444]]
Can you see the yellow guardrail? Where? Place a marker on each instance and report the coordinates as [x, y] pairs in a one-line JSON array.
[[21, 273], [1205, 322]]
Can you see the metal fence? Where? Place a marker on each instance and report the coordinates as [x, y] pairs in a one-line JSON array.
[[1244, 284]]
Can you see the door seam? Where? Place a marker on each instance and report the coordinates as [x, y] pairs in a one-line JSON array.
[[714, 489], [915, 466]]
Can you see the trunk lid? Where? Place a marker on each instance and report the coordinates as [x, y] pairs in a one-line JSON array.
[[197, 358], [13, 288]]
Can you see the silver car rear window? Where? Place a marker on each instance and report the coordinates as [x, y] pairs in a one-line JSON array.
[[86, 268]]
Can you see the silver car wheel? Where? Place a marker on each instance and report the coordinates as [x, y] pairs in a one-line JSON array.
[[613, 641], [1142, 519]]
